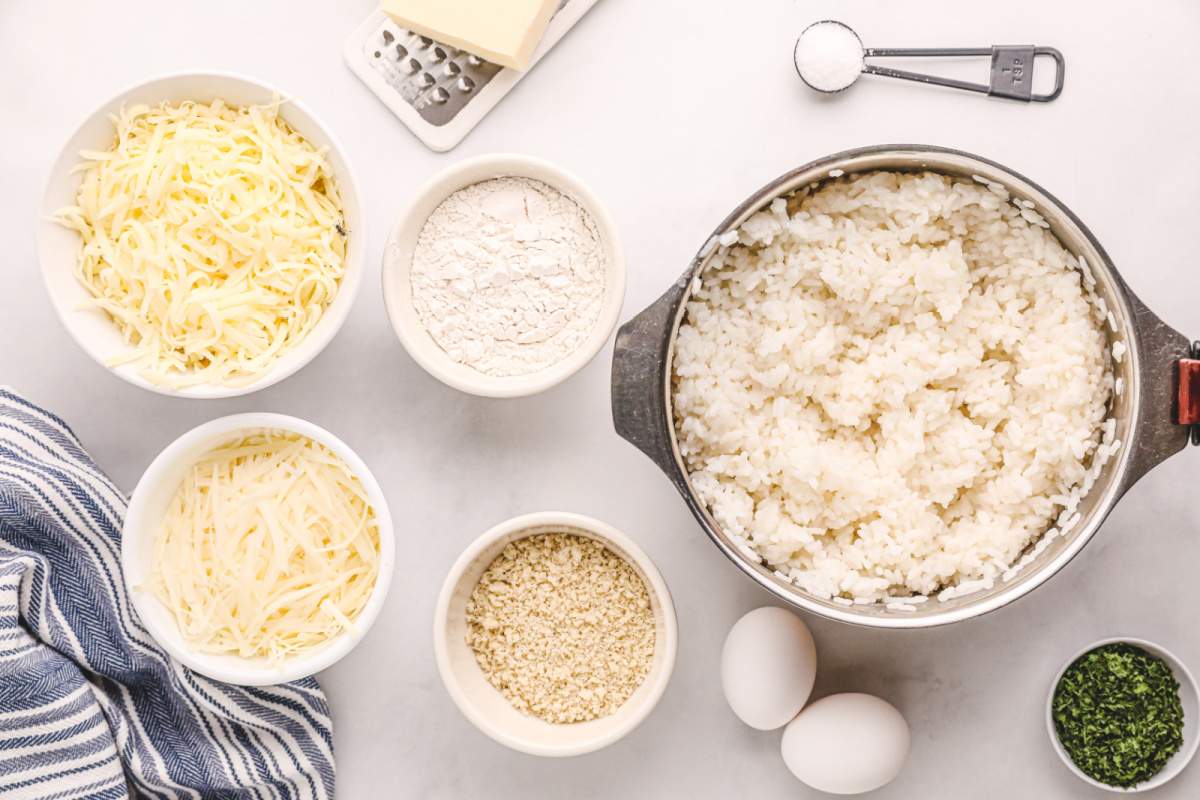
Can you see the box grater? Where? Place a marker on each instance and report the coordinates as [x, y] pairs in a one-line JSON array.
[[438, 91]]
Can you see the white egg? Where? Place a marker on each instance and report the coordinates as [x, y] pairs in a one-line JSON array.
[[846, 743], [768, 666]]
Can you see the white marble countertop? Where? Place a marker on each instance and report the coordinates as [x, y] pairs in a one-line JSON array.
[[673, 111]]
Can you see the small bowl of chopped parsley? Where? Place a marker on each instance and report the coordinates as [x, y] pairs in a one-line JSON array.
[[1123, 715]]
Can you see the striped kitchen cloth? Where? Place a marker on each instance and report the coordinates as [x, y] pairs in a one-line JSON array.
[[89, 704]]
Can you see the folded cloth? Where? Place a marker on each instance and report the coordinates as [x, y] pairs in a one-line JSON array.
[[90, 706]]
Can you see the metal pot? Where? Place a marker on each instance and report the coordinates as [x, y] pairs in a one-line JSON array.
[[1147, 413]]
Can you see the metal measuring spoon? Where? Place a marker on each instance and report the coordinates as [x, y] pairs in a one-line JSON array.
[[830, 57]]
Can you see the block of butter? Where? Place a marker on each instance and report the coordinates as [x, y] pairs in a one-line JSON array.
[[505, 32]]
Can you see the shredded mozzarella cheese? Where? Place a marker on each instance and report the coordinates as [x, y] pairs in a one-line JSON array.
[[269, 547], [213, 236]]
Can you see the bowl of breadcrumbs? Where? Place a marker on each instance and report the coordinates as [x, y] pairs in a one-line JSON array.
[[555, 634]]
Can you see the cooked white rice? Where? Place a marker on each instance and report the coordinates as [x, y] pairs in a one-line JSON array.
[[892, 385]]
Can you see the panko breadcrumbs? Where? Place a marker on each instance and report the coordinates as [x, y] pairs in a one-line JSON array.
[[562, 627]]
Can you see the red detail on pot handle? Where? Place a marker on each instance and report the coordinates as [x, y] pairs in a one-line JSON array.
[[1189, 392]]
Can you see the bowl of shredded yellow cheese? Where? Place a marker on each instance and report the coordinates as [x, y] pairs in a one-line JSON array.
[[257, 549], [201, 235]]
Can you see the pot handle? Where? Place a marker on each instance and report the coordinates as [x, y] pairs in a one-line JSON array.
[[1164, 354], [639, 406]]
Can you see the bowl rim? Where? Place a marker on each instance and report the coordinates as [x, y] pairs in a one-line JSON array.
[[137, 534], [1176, 764], [395, 274], [316, 340], [624, 547]]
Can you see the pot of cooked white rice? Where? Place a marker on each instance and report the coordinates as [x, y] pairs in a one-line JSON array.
[[900, 386]]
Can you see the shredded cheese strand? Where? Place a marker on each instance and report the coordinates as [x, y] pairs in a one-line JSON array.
[[213, 236], [269, 547]]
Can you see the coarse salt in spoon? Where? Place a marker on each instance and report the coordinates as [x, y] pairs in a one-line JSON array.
[[829, 56]]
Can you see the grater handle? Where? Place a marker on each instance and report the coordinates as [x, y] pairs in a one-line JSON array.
[[639, 390]]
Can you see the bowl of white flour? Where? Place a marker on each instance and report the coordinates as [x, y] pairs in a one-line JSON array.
[[504, 276]]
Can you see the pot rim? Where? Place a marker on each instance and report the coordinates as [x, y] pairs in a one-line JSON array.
[[1126, 466]]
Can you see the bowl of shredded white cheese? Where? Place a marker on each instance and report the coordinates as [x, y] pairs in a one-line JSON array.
[[504, 276], [257, 549], [201, 235]]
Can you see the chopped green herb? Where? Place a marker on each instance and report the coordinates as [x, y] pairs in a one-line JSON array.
[[1117, 713]]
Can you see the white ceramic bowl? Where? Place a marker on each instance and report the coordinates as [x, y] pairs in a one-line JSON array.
[[147, 508], [1189, 696], [483, 704], [397, 285], [58, 247]]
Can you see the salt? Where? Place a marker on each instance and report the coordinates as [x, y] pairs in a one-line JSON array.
[[829, 56]]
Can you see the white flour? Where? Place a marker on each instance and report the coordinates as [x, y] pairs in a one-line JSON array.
[[508, 276]]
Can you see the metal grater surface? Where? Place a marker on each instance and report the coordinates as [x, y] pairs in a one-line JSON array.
[[435, 79]]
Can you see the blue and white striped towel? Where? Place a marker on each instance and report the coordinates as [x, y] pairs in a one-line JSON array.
[[89, 705]]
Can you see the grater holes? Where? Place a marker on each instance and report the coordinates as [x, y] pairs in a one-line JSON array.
[[435, 79]]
